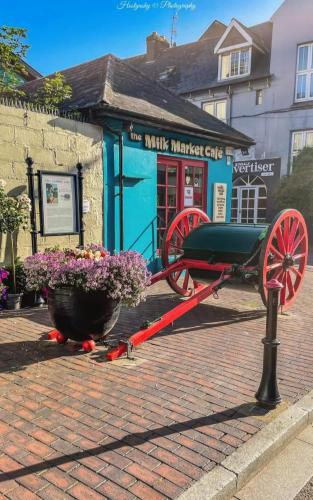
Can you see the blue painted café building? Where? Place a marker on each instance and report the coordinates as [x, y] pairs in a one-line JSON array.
[[160, 152]]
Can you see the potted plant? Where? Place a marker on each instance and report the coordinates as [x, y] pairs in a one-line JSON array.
[[14, 214], [86, 288]]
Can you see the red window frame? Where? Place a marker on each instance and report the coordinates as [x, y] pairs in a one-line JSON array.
[[179, 164]]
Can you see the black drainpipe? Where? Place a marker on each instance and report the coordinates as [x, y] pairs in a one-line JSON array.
[[119, 134]]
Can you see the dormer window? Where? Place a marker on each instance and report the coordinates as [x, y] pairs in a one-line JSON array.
[[235, 64], [234, 51]]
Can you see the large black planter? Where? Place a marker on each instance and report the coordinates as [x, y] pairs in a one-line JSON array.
[[81, 315]]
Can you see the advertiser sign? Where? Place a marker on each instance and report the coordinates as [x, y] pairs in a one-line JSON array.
[[263, 168]]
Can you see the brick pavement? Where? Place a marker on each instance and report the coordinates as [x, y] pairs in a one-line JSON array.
[[73, 425]]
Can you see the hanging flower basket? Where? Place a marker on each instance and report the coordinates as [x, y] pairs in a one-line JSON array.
[[86, 288]]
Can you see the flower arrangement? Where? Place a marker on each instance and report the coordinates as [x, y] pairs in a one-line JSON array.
[[14, 214], [123, 276]]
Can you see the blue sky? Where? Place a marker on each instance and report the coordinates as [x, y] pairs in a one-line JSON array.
[[68, 32]]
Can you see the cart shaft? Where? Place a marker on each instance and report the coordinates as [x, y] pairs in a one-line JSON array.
[[201, 293]]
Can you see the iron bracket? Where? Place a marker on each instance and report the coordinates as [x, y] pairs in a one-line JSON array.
[[129, 349]]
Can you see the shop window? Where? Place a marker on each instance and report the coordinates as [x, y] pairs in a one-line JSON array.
[[304, 76], [217, 109], [180, 183]]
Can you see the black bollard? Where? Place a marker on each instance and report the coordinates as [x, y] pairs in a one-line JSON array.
[[268, 393]]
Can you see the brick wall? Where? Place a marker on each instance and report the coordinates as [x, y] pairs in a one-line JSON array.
[[55, 144]]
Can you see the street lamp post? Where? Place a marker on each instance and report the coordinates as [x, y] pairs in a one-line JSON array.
[[268, 393]]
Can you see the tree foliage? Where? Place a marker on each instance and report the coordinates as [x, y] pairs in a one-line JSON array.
[[12, 51], [53, 92], [296, 190]]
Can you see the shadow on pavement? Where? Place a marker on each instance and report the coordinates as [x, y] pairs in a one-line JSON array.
[[138, 438], [15, 356]]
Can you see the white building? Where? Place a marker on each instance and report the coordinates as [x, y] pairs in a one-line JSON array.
[[259, 80]]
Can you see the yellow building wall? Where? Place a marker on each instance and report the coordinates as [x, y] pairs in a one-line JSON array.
[[54, 144]]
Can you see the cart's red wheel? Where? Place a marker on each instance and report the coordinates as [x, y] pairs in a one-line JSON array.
[[284, 255], [177, 230]]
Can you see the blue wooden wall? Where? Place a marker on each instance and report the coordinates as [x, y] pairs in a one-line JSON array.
[[140, 190]]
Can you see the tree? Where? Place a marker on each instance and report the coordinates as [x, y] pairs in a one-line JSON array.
[[53, 92], [296, 190], [14, 214], [12, 51]]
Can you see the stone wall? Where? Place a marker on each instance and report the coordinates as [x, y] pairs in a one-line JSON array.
[[55, 144]]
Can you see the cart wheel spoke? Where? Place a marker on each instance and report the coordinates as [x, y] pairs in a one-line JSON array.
[[296, 272], [286, 232], [276, 252], [180, 234], [177, 275], [280, 241], [186, 225], [297, 243], [293, 233], [278, 274], [276, 265], [186, 280], [290, 285], [299, 256], [195, 221]]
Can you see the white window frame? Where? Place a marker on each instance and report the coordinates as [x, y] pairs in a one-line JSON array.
[[230, 52], [303, 133], [215, 102], [307, 72]]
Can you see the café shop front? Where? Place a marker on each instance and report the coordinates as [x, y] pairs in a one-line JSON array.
[[163, 173]]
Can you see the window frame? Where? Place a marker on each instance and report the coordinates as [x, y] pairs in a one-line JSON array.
[[307, 72], [215, 102], [229, 53], [293, 132]]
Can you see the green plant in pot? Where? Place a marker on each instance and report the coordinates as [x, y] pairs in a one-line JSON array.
[[14, 215]]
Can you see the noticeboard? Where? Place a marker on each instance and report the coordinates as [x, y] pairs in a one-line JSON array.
[[58, 199]]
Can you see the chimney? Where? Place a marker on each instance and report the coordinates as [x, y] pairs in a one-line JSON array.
[[155, 45]]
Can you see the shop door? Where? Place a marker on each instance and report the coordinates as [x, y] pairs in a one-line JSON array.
[[180, 184]]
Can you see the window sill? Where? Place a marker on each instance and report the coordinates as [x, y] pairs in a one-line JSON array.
[[244, 75]]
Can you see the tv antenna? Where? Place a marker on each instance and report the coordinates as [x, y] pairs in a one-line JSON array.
[[174, 29]]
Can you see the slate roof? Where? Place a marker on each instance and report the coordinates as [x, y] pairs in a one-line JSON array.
[[108, 84], [195, 66]]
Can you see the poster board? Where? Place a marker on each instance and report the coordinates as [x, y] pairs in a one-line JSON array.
[[219, 202], [58, 201]]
